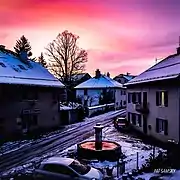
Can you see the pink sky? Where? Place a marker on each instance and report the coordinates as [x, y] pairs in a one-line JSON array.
[[120, 35]]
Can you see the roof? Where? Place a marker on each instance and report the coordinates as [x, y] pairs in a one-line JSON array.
[[102, 82], [58, 160], [169, 68], [77, 77], [14, 71], [128, 77]]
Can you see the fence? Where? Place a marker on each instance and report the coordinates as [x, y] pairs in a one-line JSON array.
[[102, 108]]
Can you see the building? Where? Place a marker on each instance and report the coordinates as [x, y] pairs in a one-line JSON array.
[[80, 78], [123, 78], [153, 105], [101, 90], [29, 95]]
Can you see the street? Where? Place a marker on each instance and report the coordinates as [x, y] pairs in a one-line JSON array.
[[33, 152]]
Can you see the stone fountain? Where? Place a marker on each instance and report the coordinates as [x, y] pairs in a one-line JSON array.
[[99, 149]]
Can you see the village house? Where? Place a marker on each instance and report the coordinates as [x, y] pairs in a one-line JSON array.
[[29, 95], [101, 90], [80, 78], [153, 105], [124, 78]]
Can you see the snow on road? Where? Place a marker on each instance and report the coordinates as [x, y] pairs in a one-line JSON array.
[[15, 145]]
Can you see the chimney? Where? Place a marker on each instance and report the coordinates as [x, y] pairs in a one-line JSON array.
[[98, 74], [178, 49], [128, 73], [24, 56], [108, 74]]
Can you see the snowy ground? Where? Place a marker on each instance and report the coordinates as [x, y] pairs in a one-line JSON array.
[[15, 145], [130, 147]]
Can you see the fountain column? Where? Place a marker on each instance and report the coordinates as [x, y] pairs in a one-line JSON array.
[[98, 136]]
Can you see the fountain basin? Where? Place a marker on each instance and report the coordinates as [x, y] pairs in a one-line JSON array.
[[111, 151]]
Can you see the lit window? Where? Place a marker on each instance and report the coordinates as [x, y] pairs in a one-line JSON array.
[[162, 98]]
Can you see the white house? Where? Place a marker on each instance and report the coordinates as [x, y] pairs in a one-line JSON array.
[[153, 105], [100, 90]]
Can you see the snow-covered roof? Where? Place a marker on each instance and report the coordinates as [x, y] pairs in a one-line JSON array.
[[58, 160], [169, 68], [14, 71], [101, 82], [126, 76], [77, 77]]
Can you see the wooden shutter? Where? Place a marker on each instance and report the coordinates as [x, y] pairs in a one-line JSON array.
[[157, 98], [166, 127], [139, 98], [157, 125], [133, 98], [128, 116], [139, 119], [129, 95], [166, 99]]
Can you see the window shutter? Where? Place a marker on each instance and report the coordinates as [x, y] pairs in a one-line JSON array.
[[140, 122], [129, 97], [128, 116], [166, 127], [133, 98], [166, 99], [139, 98], [157, 125], [157, 98]]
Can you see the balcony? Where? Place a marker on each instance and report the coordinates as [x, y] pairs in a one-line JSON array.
[[142, 108]]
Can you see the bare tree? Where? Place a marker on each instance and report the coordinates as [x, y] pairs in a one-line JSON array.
[[66, 58]]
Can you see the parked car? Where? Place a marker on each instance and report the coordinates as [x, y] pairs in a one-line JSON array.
[[121, 124], [59, 168]]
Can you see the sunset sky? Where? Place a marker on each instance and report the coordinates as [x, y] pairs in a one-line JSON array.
[[120, 35]]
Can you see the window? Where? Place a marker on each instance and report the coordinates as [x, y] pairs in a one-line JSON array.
[[85, 91], [162, 126], [138, 120], [129, 97], [162, 98], [22, 67], [2, 64], [134, 97], [133, 118], [59, 169], [80, 168], [124, 102]]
